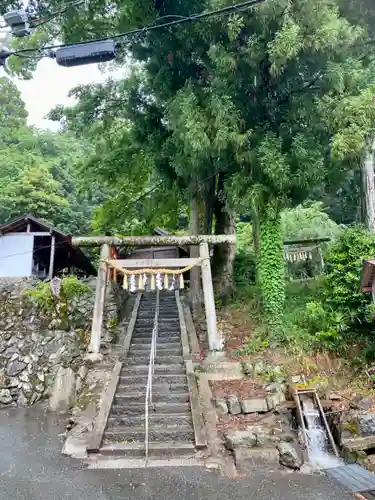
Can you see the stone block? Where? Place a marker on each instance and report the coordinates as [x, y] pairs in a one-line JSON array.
[[260, 367], [276, 387], [247, 368], [221, 406], [15, 367], [234, 405], [240, 438], [63, 391], [366, 424], [5, 397], [258, 405], [275, 399], [256, 456], [365, 403], [290, 455]]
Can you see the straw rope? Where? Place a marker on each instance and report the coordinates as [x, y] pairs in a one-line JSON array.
[[136, 272]]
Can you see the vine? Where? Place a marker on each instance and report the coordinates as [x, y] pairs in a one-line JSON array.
[[271, 271]]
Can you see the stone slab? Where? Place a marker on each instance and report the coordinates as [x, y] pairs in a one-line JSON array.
[[359, 443], [256, 456], [258, 405], [223, 370]]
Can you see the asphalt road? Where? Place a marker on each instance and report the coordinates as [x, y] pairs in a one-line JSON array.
[[32, 468]]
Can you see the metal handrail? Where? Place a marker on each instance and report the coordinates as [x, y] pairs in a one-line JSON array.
[[151, 370]]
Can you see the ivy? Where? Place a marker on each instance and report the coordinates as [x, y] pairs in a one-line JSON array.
[[271, 273]]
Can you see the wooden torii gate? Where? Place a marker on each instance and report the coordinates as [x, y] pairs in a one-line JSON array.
[[105, 242]]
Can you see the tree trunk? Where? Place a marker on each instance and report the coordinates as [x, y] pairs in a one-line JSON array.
[[209, 205], [256, 241], [225, 255], [369, 186], [271, 270], [195, 285]]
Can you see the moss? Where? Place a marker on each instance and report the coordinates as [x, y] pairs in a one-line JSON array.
[[351, 427]]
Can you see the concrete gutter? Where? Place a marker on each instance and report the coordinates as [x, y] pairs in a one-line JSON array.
[[184, 334], [196, 412], [105, 407]]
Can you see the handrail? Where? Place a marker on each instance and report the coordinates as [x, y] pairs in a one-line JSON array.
[[151, 369]]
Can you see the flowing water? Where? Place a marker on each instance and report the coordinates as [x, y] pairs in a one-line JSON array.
[[320, 457]]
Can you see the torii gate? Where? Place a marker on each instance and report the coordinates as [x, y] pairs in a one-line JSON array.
[[105, 242]]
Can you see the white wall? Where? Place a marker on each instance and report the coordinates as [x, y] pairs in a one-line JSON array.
[[16, 255]]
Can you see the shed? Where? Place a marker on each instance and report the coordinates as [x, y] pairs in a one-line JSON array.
[[164, 252], [159, 252], [31, 247]]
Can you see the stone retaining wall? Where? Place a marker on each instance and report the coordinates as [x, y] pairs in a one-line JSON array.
[[34, 347]]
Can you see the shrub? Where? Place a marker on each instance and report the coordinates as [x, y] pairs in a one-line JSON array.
[[344, 260], [244, 269], [72, 287]]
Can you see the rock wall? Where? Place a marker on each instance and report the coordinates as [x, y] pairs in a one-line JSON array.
[[34, 348]]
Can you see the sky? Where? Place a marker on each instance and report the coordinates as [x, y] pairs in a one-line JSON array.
[[50, 86]]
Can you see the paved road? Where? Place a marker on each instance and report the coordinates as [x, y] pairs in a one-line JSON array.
[[32, 468]]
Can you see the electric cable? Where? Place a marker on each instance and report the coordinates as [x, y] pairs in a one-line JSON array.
[[181, 20]]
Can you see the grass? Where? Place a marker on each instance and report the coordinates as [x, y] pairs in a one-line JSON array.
[[299, 351]]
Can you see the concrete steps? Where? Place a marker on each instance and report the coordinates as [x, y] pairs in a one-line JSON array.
[[166, 449], [171, 431]]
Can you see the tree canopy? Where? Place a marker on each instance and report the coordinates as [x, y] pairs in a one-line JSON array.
[[258, 111], [41, 172]]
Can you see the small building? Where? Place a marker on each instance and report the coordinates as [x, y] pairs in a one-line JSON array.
[[164, 252], [158, 252], [30, 247]]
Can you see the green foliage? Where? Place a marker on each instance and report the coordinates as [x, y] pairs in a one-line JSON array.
[[279, 100], [41, 172], [308, 221], [344, 262], [72, 287], [42, 297]]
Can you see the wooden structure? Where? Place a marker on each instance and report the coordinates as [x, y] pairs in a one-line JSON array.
[[31, 247], [305, 253], [158, 252], [367, 280], [203, 261]]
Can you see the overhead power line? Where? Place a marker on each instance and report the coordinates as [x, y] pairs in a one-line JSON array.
[[156, 25]]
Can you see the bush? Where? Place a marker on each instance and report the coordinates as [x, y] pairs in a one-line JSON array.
[[72, 287], [244, 269], [344, 261], [43, 298]]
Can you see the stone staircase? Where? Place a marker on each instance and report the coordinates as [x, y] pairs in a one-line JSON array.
[[171, 432]]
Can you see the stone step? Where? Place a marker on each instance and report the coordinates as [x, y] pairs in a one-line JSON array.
[[159, 389], [163, 349], [159, 360], [122, 407], [159, 433], [163, 313], [156, 379], [166, 449], [154, 419], [162, 330], [159, 369], [126, 396], [144, 340], [163, 318], [170, 336]]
